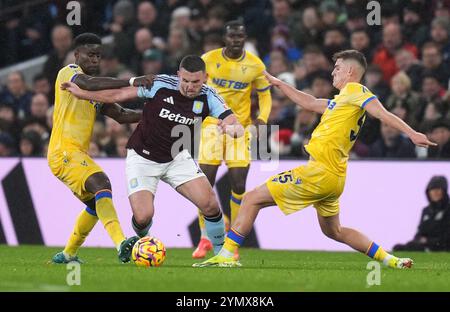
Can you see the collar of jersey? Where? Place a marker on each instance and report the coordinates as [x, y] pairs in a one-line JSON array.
[[230, 59]]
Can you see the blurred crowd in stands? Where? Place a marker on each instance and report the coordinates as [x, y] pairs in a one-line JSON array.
[[408, 56]]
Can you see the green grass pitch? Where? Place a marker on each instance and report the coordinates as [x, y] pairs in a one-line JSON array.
[[26, 268]]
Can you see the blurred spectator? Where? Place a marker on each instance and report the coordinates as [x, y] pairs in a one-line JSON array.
[[95, 151], [7, 145], [334, 40], [62, 42], [177, 45], [407, 62], [305, 123], [123, 29], [402, 96], [440, 134], [360, 41], [385, 55], [195, 31], [432, 62], [356, 16], [278, 63], [152, 62], [16, 94], [373, 80], [433, 233], [41, 84], [280, 41], [147, 17], [121, 145], [309, 31], [322, 85], [110, 65], [282, 13], [30, 144], [211, 42], [329, 12], [414, 30], [39, 106], [180, 18], [432, 90], [37, 126], [216, 19], [312, 61], [440, 34], [143, 40], [392, 145], [8, 121]]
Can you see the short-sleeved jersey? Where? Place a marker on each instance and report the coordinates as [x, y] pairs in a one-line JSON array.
[[339, 127], [166, 108], [234, 79], [73, 118]]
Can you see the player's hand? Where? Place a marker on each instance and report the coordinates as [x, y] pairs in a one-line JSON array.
[[144, 81], [233, 130], [71, 87], [421, 140], [272, 80]]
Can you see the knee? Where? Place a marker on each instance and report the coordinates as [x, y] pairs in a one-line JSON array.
[[333, 233], [209, 206], [143, 219], [238, 187]]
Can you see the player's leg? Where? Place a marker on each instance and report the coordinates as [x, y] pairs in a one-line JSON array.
[[99, 184], [332, 228], [210, 158], [201, 194], [238, 178], [84, 224], [143, 209], [252, 203], [205, 244]]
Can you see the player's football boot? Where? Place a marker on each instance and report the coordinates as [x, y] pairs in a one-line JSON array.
[[202, 249], [218, 261], [404, 263], [126, 247], [60, 258]]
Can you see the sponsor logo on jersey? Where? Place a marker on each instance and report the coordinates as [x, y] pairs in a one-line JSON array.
[[231, 84], [167, 114]]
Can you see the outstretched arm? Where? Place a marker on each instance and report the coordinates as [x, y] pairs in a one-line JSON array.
[[120, 114], [376, 109], [90, 83], [104, 96], [303, 99]]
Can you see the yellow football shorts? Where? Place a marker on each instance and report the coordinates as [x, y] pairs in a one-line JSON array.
[[73, 168], [216, 147], [307, 185]]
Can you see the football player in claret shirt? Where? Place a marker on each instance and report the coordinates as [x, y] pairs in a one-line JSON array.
[[172, 101], [234, 72], [73, 122], [321, 181]]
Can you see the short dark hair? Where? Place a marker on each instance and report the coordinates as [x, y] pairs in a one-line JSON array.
[[234, 24], [86, 38], [193, 63], [351, 55]]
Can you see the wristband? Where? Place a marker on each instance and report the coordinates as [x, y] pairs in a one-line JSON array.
[[132, 81]]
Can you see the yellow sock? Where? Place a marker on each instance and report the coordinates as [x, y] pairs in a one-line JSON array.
[[378, 253], [83, 226], [230, 245], [235, 204], [107, 214]]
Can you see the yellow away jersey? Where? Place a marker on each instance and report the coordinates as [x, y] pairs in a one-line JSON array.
[[234, 79], [339, 127], [73, 118]]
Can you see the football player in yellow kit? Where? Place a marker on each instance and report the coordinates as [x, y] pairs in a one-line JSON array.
[[321, 181], [73, 121], [234, 73]]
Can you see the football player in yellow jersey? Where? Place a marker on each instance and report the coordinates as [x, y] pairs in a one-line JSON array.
[[234, 73], [321, 181], [73, 121]]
